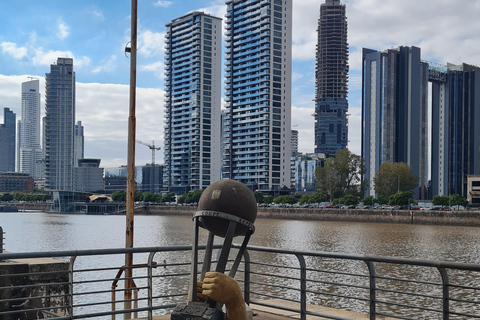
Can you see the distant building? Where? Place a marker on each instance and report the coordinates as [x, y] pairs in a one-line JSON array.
[[258, 71], [116, 178], [395, 113], [331, 78], [7, 141], [473, 190], [16, 181], [294, 143], [29, 149], [303, 171], [59, 125], [88, 176], [455, 128], [152, 178], [193, 59], [79, 143]]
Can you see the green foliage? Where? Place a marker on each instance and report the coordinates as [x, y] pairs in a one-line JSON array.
[[458, 200], [138, 196], [369, 201], [149, 197], [258, 196], [341, 175], [401, 198], [312, 198], [25, 197], [6, 197], [393, 177], [350, 199], [267, 199], [190, 197], [169, 197], [120, 196], [285, 199], [443, 201], [382, 199]]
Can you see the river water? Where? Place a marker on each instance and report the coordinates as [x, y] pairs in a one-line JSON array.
[[37, 231]]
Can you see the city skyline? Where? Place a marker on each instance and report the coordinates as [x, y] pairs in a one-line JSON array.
[[28, 47]]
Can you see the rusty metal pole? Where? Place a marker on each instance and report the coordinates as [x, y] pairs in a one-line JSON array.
[[131, 163]]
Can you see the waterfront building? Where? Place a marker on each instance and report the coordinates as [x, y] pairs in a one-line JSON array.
[[303, 171], [257, 126], [7, 141], [88, 176], [192, 154], [294, 143], [79, 143], [15, 182], [152, 178], [395, 112], [59, 125], [331, 78], [455, 128], [29, 151]]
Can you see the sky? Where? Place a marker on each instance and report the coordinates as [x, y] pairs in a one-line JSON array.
[[94, 33]]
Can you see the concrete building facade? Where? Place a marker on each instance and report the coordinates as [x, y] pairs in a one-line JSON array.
[[29, 151], [60, 125], [7, 141], [257, 123], [331, 79], [192, 154]]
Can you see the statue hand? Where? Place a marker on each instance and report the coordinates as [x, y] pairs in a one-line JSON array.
[[221, 288]]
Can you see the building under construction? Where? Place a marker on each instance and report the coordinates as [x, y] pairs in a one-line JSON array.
[[331, 74]]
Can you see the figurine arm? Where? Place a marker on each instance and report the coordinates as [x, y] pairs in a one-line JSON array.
[[223, 289]]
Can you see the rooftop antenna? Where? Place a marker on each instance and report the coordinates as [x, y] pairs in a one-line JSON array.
[[32, 78]]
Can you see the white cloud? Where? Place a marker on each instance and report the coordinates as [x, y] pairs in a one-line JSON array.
[[163, 4], [153, 67], [62, 31], [106, 65], [97, 14], [151, 43], [11, 49], [46, 58]]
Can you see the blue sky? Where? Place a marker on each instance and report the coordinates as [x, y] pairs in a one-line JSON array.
[[34, 33]]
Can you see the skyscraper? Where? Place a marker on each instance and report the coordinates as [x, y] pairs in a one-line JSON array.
[[79, 143], [395, 112], [29, 150], [192, 154], [331, 78], [7, 141], [257, 126], [59, 125], [455, 128]]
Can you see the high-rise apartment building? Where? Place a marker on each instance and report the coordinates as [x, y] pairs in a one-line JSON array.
[[395, 112], [192, 154], [29, 151], [7, 141], [331, 78], [79, 143], [257, 126], [455, 128], [59, 125], [294, 143]]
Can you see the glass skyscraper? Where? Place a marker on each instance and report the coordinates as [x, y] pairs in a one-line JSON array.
[[7, 141], [29, 150], [331, 78], [192, 153], [59, 125], [257, 122], [395, 112]]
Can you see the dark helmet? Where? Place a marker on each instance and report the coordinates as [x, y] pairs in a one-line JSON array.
[[230, 197]]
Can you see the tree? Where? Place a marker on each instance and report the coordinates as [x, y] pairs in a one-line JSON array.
[[349, 200], [149, 197], [393, 177], [267, 199], [401, 198], [458, 200], [285, 199], [6, 197], [258, 196], [443, 201], [341, 175], [312, 198], [119, 196], [169, 197], [369, 201]]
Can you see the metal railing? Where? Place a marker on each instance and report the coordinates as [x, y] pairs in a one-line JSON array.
[[82, 284]]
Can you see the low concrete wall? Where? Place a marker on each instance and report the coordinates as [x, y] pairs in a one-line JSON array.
[[457, 218]]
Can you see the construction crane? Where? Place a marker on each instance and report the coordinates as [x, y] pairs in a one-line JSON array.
[[152, 171]]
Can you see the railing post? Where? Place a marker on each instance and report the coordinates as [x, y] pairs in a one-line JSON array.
[[246, 285], [303, 287], [70, 283], [445, 293], [150, 285], [372, 297]]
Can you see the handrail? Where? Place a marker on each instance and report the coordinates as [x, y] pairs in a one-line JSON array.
[[308, 283]]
